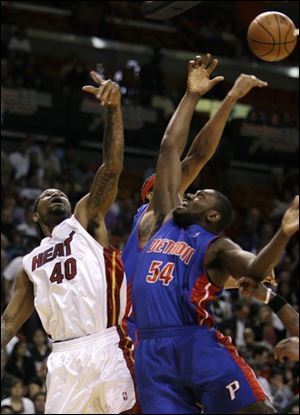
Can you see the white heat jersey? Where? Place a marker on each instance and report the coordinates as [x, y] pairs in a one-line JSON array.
[[79, 286]]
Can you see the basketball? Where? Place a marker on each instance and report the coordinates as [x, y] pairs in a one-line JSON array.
[[272, 36]]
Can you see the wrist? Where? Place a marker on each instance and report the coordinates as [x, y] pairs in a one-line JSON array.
[[232, 97], [277, 302], [284, 233], [193, 96]]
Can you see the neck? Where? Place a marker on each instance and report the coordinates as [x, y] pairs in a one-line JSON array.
[[16, 399], [206, 226], [47, 230]]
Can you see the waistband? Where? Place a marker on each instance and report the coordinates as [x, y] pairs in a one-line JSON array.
[[157, 333], [106, 336]]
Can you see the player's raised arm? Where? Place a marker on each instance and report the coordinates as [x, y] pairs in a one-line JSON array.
[[168, 168], [18, 310], [234, 261], [91, 210], [207, 140]]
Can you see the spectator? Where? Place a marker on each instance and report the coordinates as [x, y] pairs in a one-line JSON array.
[[16, 399], [39, 348], [6, 378], [28, 227], [281, 392], [19, 364], [20, 160], [39, 401], [6, 409], [19, 42], [236, 325]]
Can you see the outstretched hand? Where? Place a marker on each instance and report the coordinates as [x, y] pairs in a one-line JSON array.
[[244, 83], [107, 92], [200, 69]]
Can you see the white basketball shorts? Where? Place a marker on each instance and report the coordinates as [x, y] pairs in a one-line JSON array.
[[89, 375]]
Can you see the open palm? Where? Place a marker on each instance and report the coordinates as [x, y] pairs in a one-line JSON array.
[[200, 70]]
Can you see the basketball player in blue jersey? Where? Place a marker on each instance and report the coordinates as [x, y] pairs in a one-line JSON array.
[[200, 152], [181, 359]]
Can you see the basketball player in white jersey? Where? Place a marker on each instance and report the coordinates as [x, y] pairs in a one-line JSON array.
[[77, 285]]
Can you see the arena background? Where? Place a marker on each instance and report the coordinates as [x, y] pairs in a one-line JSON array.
[[52, 134]]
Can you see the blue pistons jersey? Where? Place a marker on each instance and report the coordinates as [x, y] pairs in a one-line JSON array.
[[181, 360], [171, 287]]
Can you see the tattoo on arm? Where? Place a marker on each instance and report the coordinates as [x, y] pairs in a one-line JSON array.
[[290, 319], [104, 188], [113, 145]]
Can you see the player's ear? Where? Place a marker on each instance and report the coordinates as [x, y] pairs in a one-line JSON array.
[[149, 196], [213, 216], [35, 217]]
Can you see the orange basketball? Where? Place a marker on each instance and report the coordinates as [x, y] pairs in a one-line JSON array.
[[272, 36]]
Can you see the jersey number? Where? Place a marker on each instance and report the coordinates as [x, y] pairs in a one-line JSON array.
[[69, 271], [164, 275]]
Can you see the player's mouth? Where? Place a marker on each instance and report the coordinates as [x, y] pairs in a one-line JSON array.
[[56, 200], [184, 204]]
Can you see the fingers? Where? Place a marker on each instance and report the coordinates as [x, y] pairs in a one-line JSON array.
[[259, 82], [213, 66], [280, 352], [197, 61], [96, 78], [110, 94], [206, 60], [217, 80], [295, 204], [90, 89], [262, 84], [191, 64], [104, 91], [241, 281]]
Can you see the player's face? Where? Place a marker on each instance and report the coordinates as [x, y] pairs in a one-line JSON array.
[[194, 206], [54, 206]]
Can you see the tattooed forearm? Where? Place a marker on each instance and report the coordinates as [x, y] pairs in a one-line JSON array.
[[104, 188], [290, 319], [113, 145]]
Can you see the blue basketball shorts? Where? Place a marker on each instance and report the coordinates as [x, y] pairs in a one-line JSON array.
[[178, 368]]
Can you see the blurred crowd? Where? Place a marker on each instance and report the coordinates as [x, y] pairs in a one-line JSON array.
[[223, 26], [31, 167]]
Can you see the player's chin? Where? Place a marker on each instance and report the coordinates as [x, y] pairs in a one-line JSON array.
[[58, 209], [180, 216]]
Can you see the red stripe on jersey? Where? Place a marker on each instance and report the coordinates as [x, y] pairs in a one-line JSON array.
[[125, 345], [202, 292], [128, 309], [114, 278], [246, 369]]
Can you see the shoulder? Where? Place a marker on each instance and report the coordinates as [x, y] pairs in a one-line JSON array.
[[220, 246], [28, 257]]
